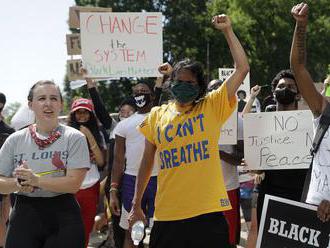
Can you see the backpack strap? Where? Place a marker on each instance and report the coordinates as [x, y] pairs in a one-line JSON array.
[[320, 132]]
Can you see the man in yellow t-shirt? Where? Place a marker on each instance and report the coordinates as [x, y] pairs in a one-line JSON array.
[[191, 194]]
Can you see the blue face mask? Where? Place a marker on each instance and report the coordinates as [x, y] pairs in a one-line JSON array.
[[184, 91]]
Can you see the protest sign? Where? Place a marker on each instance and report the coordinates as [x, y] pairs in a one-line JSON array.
[[74, 12], [290, 224], [73, 69], [229, 129], [73, 45], [122, 44], [278, 140]]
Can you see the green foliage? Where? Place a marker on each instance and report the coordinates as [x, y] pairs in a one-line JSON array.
[[265, 29]]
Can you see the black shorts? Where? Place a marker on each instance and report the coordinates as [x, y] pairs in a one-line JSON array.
[[207, 230], [45, 222]]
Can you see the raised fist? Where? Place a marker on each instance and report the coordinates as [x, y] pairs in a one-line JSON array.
[[221, 22], [255, 90], [300, 12], [165, 69]]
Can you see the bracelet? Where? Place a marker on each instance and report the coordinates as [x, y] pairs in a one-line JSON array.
[[113, 189]]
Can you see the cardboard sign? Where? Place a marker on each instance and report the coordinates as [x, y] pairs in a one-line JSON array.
[[73, 44], [229, 129], [74, 12], [73, 68], [278, 140], [290, 224], [122, 44]]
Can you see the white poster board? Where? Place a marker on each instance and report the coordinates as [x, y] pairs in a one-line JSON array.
[[122, 44], [278, 140], [229, 129]]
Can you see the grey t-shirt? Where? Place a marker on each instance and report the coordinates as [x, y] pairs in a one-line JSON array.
[[70, 151]]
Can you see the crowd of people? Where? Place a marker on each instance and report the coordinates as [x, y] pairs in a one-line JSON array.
[[162, 163]]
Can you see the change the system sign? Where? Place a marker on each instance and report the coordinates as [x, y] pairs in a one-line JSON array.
[[121, 44], [290, 224]]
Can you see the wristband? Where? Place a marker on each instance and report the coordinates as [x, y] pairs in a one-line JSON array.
[[113, 189]]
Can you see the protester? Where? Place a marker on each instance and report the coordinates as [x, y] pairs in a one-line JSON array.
[[82, 117], [126, 109], [241, 95], [49, 162], [286, 183], [129, 144], [318, 193], [191, 194]]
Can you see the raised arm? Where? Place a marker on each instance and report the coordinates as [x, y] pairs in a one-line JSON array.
[[314, 99], [100, 110], [253, 94], [166, 70], [222, 22]]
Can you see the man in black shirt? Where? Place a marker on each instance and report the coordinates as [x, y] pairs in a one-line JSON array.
[[283, 183]]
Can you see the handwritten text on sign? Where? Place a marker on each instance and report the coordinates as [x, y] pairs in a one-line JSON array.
[[121, 44], [278, 140], [229, 129]]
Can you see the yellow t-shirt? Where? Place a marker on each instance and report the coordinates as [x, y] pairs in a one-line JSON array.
[[190, 180]]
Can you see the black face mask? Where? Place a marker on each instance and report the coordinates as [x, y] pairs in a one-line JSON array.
[[142, 100], [285, 96]]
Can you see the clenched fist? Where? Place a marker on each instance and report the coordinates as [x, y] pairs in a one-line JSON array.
[[300, 12], [221, 22]]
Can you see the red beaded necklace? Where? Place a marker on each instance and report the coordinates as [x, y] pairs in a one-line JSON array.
[[43, 143]]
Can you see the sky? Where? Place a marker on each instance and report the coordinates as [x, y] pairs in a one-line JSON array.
[[32, 45]]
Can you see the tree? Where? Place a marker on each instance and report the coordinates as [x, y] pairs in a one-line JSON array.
[[264, 28]]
